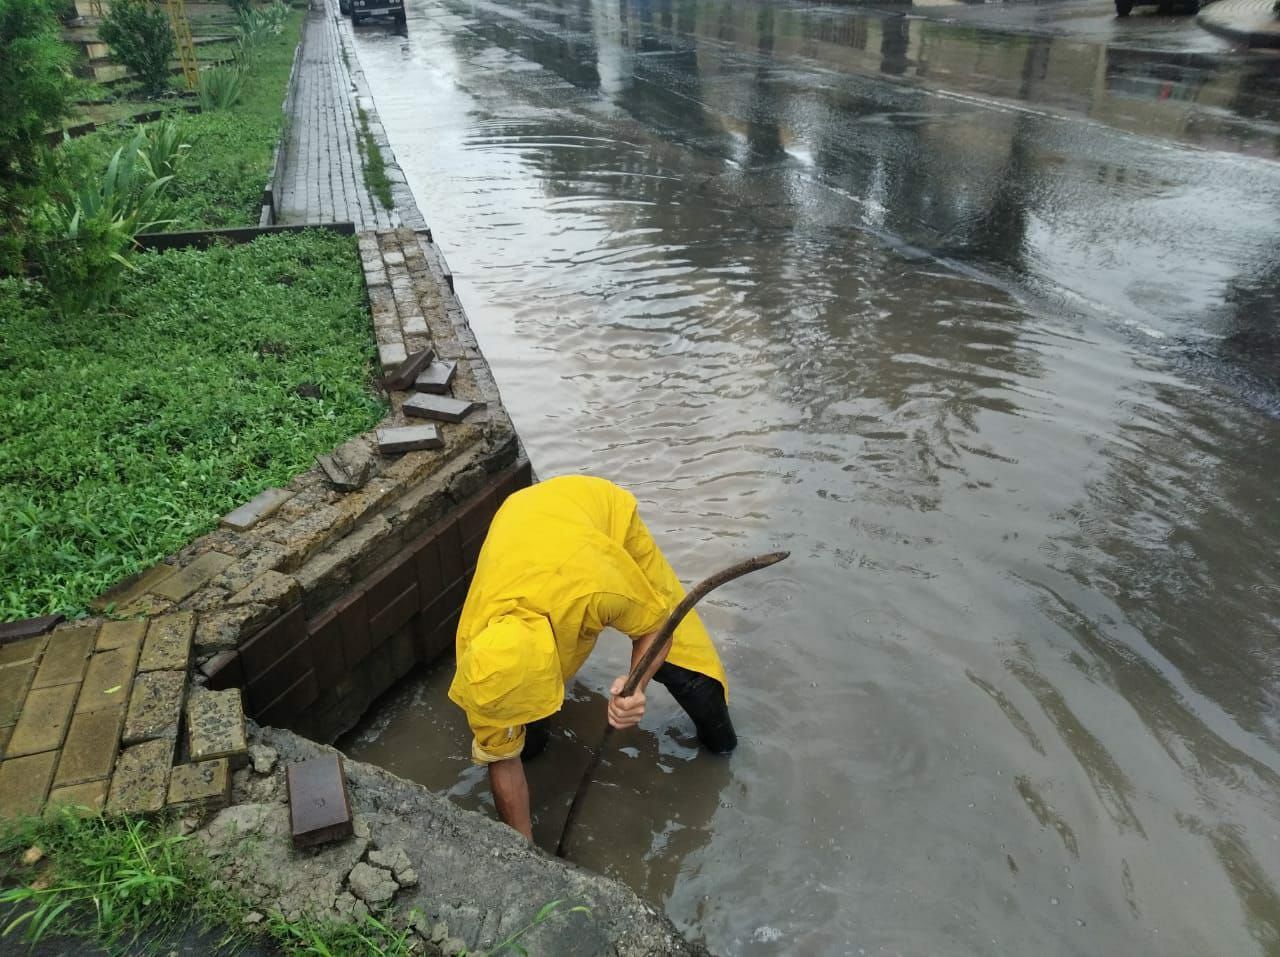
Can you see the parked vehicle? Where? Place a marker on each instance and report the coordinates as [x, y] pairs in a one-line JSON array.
[[361, 10], [344, 7], [1125, 7]]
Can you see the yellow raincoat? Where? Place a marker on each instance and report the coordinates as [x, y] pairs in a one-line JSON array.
[[562, 560]]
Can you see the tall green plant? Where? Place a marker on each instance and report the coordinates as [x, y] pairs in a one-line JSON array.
[[35, 85], [220, 88], [140, 37], [89, 233]]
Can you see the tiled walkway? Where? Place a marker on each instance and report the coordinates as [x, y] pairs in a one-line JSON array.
[[323, 178]]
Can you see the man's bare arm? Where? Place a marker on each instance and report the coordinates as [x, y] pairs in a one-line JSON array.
[[627, 712], [511, 794]]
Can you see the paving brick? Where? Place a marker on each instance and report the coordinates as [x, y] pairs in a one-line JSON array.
[[409, 438], [89, 752], [436, 377], [168, 643], [117, 634], [27, 649], [186, 580], [140, 783], [407, 372], [91, 796], [14, 681], [24, 782], [131, 589], [270, 588], [442, 408], [66, 655], [109, 680], [391, 354], [215, 726], [205, 785], [260, 507], [310, 533], [44, 719], [223, 630], [4, 739], [155, 706]]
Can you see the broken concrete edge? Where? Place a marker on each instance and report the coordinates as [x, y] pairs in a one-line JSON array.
[[418, 861]]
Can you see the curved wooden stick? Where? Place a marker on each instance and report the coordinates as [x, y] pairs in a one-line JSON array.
[[665, 634]]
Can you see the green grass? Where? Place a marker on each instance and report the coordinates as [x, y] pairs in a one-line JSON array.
[[104, 880], [222, 182], [375, 169], [129, 434], [115, 880]]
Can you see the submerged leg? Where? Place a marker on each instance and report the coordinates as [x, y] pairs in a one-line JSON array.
[[703, 700]]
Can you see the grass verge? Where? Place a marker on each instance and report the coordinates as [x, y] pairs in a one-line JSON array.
[[127, 435], [222, 180], [130, 885]]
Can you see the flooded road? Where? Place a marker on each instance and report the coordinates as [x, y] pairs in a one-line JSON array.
[[980, 326]]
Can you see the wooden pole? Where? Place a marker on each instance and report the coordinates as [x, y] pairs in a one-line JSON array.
[[665, 634]]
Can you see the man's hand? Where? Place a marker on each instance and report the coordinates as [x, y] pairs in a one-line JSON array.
[[625, 712]]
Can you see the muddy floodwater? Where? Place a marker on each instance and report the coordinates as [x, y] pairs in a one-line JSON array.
[[981, 327]]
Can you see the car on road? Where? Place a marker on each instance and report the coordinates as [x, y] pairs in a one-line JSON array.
[[1125, 7], [361, 10]]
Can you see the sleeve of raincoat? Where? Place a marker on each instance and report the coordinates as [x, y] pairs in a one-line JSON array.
[[491, 744]]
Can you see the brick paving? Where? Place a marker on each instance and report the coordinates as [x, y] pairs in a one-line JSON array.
[[71, 699], [323, 178], [1251, 22]]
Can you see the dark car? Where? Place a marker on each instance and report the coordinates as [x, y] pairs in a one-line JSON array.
[[363, 9], [344, 7], [1124, 7]]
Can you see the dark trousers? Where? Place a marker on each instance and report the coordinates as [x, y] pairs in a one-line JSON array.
[[701, 697]]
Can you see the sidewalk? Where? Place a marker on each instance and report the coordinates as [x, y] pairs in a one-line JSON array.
[[323, 178], [1251, 22]]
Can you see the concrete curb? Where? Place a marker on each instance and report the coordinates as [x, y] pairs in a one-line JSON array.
[[1247, 22]]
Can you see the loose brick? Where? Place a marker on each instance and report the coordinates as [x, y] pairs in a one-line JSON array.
[[44, 719], [24, 782], [311, 533], [91, 796], [118, 634], [443, 408], [215, 726], [261, 506], [66, 655], [140, 784], [205, 785], [409, 438], [403, 376], [89, 752], [436, 378], [29, 627], [28, 649], [14, 682], [168, 644], [155, 706], [109, 680], [186, 580]]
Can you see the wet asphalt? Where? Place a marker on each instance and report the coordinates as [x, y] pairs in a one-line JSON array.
[[973, 309]]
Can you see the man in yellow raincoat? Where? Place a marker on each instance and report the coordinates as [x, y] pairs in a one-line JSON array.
[[563, 560]]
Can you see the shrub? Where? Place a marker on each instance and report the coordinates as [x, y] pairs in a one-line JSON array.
[[36, 85], [88, 234], [139, 35], [220, 88], [240, 6]]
